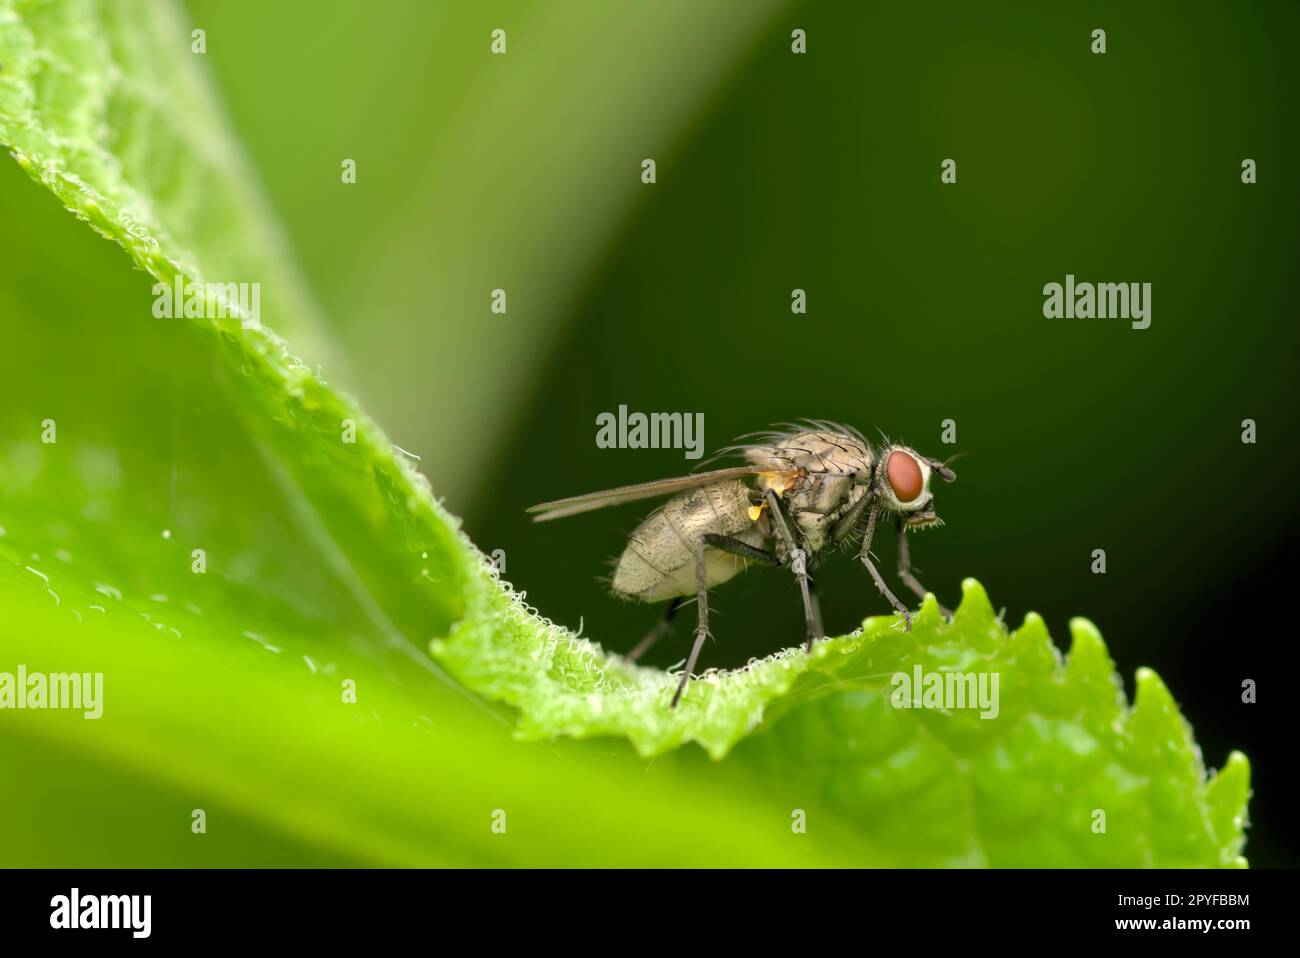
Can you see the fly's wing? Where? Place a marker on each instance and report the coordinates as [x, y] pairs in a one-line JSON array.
[[643, 490]]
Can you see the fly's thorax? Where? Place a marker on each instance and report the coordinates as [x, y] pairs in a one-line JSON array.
[[820, 503], [816, 453], [817, 473], [821, 494]]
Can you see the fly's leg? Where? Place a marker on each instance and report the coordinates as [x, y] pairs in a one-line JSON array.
[[848, 522], [726, 544], [746, 551], [905, 568], [875, 574], [657, 631], [812, 617], [738, 548], [817, 628], [701, 629]]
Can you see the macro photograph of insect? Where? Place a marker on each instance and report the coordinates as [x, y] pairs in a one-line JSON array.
[[771, 436], [815, 489]]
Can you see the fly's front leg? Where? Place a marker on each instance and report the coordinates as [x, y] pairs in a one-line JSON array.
[[812, 616], [847, 523], [702, 628], [905, 568], [657, 632], [875, 574]]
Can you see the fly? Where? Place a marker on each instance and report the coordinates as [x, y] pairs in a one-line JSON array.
[[803, 492]]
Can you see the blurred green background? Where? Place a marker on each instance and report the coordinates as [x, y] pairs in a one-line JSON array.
[[821, 172]]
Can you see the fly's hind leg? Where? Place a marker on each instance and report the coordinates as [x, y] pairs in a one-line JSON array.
[[702, 628], [812, 615], [738, 548], [905, 569], [657, 631], [746, 551]]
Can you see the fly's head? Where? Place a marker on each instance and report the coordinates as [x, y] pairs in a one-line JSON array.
[[902, 485]]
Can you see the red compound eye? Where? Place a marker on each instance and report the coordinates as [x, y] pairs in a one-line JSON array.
[[905, 476]]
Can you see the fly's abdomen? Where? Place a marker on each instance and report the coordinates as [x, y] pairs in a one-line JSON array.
[[659, 561]]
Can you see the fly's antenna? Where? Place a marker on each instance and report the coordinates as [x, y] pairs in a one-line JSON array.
[[942, 468]]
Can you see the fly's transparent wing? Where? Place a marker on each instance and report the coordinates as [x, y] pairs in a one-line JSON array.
[[642, 490]]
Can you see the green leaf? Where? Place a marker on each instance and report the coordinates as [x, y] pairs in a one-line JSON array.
[[102, 103], [1061, 773], [327, 567]]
